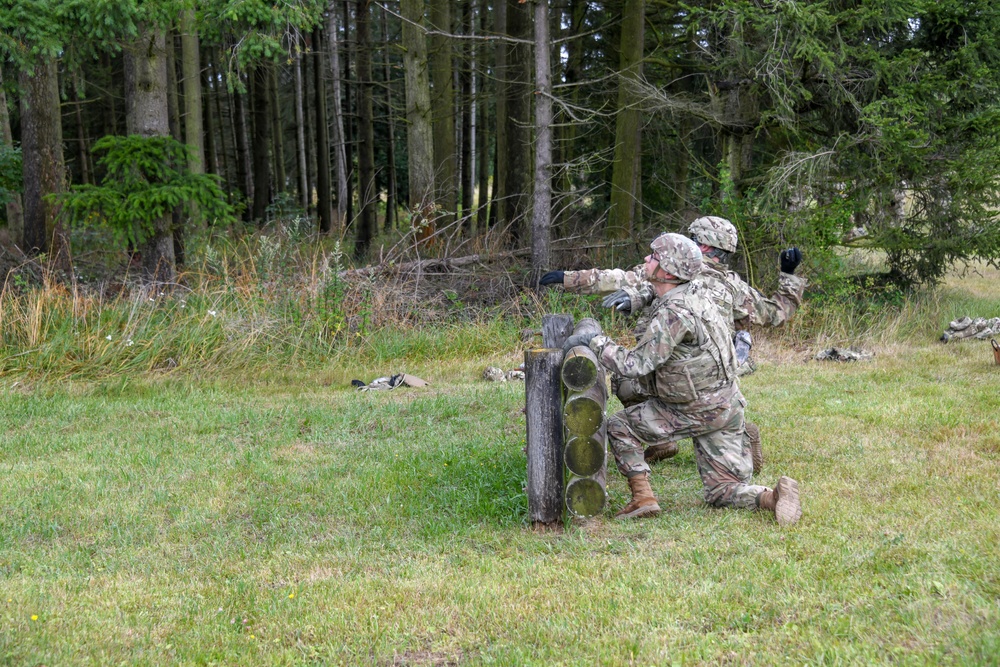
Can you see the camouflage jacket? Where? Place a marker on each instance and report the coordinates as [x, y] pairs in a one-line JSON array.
[[740, 303], [685, 356]]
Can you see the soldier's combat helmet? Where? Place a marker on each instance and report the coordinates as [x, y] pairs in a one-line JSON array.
[[714, 231], [677, 255]]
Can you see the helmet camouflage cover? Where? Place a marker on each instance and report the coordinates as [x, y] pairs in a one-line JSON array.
[[677, 255], [714, 231]]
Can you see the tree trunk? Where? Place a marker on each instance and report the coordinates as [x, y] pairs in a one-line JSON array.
[[15, 213], [541, 222], [324, 205], [212, 165], [543, 417], [194, 135], [419, 136], [392, 196], [243, 160], [577, 13], [308, 65], [367, 195], [225, 163], [465, 91], [625, 175], [349, 135], [443, 110], [517, 163], [173, 104], [501, 50], [300, 135], [339, 145], [147, 116], [277, 135], [259, 79], [43, 165], [83, 146], [482, 125]]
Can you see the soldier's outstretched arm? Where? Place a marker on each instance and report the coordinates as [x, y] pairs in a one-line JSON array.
[[602, 281], [667, 329]]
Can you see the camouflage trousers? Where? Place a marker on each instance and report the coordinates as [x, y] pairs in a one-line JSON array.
[[723, 458], [630, 392]]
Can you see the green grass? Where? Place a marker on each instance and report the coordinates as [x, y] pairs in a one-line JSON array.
[[279, 517]]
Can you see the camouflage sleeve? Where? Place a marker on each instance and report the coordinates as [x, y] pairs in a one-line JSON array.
[[602, 281], [666, 330], [640, 296], [782, 304]]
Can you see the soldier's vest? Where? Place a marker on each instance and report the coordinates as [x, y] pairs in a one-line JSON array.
[[703, 364]]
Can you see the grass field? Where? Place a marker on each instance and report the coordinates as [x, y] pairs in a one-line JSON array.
[[283, 518]]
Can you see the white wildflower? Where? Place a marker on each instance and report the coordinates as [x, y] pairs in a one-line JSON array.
[[107, 338], [129, 343], [212, 313]]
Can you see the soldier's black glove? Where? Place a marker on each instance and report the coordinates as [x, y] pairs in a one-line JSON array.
[[619, 300], [790, 259], [577, 339], [553, 278]]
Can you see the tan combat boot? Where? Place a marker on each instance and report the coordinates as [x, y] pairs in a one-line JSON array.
[[783, 500], [643, 501], [660, 452], [752, 432]]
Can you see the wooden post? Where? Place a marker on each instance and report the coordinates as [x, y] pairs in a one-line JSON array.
[[543, 413], [556, 329]]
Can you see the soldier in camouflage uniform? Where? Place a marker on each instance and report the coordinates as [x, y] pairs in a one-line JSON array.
[[685, 364], [740, 303]]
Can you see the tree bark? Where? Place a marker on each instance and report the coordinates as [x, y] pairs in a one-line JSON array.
[[194, 135], [541, 222], [277, 135], [324, 205], [501, 50], [260, 77], [43, 165], [468, 135], [15, 212], [339, 144], [482, 127], [517, 142], [349, 135], [443, 110], [212, 165], [367, 195], [543, 416], [300, 136], [625, 198], [392, 194], [556, 328], [243, 159], [83, 146], [147, 116], [419, 136]]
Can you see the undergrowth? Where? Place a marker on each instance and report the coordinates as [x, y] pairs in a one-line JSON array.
[[283, 300]]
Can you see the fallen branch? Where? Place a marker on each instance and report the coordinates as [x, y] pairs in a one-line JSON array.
[[444, 264]]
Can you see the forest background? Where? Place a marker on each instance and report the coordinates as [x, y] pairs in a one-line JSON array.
[[568, 132]]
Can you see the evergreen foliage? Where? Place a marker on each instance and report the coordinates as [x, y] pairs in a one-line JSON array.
[[147, 178], [10, 173]]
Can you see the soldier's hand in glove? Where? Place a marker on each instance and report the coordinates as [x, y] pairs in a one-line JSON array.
[[790, 259], [577, 339], [552, 278], [619, 300]]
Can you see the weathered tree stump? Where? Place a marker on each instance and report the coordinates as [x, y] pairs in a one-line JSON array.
[[556, 328], [543, 414]]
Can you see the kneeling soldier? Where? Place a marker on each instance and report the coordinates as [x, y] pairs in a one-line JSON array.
[[685, 363]]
